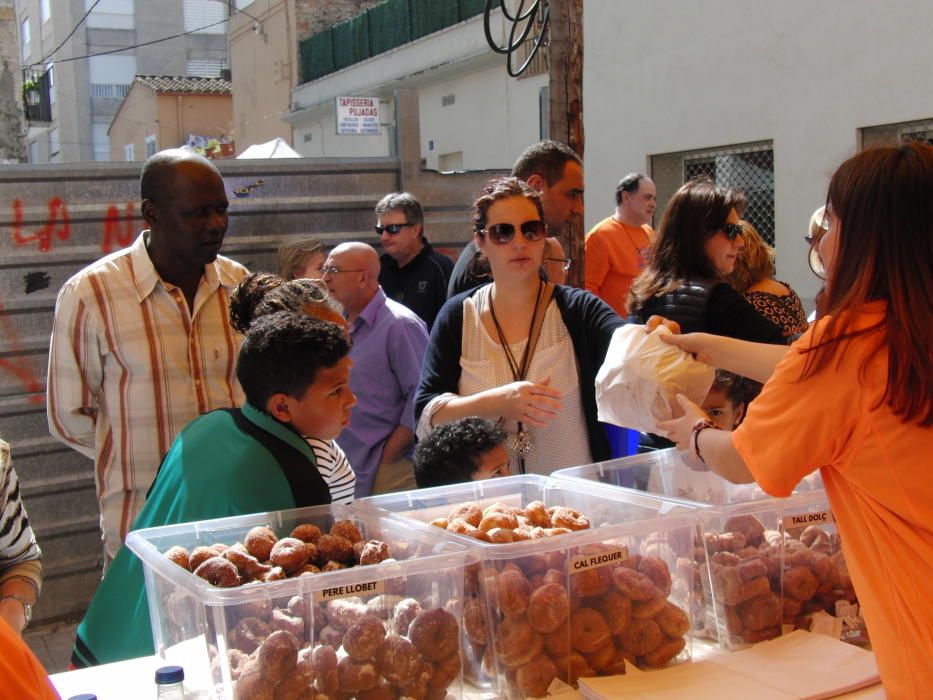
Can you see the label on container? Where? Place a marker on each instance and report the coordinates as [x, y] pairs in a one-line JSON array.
[[351, 589], [824, 517], [593, 561]]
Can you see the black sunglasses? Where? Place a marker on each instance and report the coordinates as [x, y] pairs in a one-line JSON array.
[[500, 234], [390, 228], [732, 231]]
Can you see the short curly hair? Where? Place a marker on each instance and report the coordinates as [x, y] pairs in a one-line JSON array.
[[262, 293], [755, 262], [450, 453]]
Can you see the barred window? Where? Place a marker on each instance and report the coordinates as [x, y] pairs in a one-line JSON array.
[[748, 167], [897, 134]]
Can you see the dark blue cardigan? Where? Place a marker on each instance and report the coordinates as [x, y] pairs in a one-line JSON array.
[[589, 321]]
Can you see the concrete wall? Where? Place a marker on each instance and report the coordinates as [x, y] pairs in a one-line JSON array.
[[671, 76]]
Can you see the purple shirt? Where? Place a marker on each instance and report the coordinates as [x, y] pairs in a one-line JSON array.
[[389, 342]]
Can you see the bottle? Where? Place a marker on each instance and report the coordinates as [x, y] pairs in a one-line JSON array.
[[169, 683], [83, 696]]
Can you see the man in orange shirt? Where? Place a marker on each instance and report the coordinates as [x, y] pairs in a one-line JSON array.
[[616, 248]]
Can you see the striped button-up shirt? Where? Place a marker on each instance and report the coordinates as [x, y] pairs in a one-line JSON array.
[[130, 366]]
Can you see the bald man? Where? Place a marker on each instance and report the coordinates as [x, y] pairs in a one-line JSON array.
[[389, 342]]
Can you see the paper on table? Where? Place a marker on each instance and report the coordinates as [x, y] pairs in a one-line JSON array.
[[697, 680], [812, 666]]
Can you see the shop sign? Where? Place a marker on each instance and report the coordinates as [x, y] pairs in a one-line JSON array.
[[357, 116]]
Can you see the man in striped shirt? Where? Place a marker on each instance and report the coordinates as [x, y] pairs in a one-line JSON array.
[[142, 343]]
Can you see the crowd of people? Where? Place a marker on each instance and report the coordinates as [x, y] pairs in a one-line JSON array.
[[201, 390]]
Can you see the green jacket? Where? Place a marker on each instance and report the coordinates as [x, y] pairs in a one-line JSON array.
[[212, 470]]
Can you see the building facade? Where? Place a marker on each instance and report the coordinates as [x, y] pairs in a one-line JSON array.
[[89, 79]]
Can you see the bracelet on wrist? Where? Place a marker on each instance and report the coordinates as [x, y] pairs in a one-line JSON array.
[[698, 427]]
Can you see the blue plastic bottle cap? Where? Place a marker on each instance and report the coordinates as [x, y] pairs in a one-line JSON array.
[[83, 696], [169, 674]]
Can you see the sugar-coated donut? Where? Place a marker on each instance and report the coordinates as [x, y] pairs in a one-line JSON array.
[[306, 532], [278, 655], [634, 584], [657, 571], [445, 671], [406, 610], [535, 676], [282, 620], [435, 633], [601, 657], [568, 518], [588, 630], [259, 542], [334, 548], [512, 591], [673, 621], [800, 583], [324, 660], [515, 658], [363, 638], [178, 555], [761, 611], [343, 613], [219, 572], [557, 643], [253, 686], [248, 634], [354, 676], [641, 637], [293, 687], [536, 513], [347, 529], [474, 621], [617, 610], [398, 660], [498, 519], [469, 513], [571, 667], [276, 573], [513, 637], [590, 583], [331, 636], [383, 690], [548, 608], [665, 652], [374, 552], [289, 553], [246, 564], [648, 609], [747, 525], [199, 555]]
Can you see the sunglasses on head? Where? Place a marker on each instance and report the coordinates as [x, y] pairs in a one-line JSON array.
[[732, 231], [501, 234], [390, 228]]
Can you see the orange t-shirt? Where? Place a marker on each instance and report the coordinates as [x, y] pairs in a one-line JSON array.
[[876, 472], [21, 675], [615, 254]]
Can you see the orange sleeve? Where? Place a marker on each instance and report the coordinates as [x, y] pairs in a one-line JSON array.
[[597, 261], [21, 674], [795, 427]]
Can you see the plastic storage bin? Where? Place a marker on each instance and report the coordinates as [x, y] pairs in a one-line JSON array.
[[223, 633], [764, 562], [572, 604]]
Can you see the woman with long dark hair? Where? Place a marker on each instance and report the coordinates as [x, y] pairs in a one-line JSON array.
[[695, 249], [854, 398], [520, 349]]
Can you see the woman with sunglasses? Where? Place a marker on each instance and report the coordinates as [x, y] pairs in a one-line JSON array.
[[519, 349], [854, 398], [695, 248]]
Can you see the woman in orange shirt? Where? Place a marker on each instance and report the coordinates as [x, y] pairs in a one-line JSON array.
[[854, 398]]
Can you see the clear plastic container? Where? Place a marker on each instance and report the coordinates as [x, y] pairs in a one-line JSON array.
[[213, 631], [764, 562], [563, 605]]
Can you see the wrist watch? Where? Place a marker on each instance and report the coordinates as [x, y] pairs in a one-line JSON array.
[[27, 608]]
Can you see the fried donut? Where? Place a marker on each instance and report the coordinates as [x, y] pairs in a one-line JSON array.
[[278, 655], [253, 686], [219, 572], [515, 658], [588, 630], [346, 529], [259, 542], [334, 548], [406, 610], [590, 583], [572, 666], [665, 652], [178, 555], [512, 591], [634, 584], [324, 661], [616, 609], [755, 636], [445, 671], [435, 633], [199, 555], [363, 639], [747, 525], [289, 553], [569, 518], [800, 583], [600, 658], [727, 584], [641, 637], [535, 676], [548, 608], [816, 538], [343, 613], [281, 620], [513, 638], [497, 519], [469, 513], [558, 643], [308, 570], [840, 571], [398, 660], [306, 533], [292, 687], [649, 608], [474, 621], [354, 676], [760, 612], [536, 513], [752, 568], [246, 564], [383, 690], [673, 621], [462, 527], [657, 571], [248, 634], [374, 552], [331, 636]]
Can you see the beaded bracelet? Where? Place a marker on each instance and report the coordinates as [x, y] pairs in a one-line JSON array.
[[698, 427]]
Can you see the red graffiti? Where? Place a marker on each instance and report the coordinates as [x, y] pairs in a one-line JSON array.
[[57, 225], [23, 373], [115, 236]]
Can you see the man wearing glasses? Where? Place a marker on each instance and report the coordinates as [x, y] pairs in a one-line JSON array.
[[617, 247], [412, 273]]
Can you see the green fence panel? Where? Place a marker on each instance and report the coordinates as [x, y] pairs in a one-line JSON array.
[[317, 56], [388, 26], [351, 41], [471, 8], [429, 16]]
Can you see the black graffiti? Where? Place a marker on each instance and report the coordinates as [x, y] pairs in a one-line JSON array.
[[36, 281]]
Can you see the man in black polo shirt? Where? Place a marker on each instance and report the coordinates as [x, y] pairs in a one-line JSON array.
[[412, 273]]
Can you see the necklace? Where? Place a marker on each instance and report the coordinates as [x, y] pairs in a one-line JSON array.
[[521, 443]]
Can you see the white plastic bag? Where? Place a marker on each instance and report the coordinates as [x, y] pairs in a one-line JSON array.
[[641, 376]]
